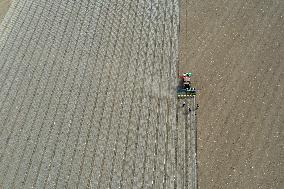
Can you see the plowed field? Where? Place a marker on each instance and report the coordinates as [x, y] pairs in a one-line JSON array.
[[87, 96]]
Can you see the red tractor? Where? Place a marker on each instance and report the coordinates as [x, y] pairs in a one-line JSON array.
[[184, 89]]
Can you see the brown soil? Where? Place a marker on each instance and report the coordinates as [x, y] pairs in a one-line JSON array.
[[235, 51], [4, 5]]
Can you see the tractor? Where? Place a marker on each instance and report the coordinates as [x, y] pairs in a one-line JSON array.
[[184, 89]]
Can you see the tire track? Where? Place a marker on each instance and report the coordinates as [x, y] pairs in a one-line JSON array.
[[40, 103], [72, 122], [25, 117], [61, 105], [104, 56], [45, 114], [73, 157], [20, 107], [5, 75], [74, 83], [92, 111], [15, 46]]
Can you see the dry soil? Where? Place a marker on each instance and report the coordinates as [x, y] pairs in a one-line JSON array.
[[235, 50], [4, 5]]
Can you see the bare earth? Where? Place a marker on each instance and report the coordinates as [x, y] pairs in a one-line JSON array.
[[4, 5], [235, 50]]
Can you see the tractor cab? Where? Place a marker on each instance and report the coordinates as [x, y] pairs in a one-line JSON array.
[[186, 81], [184, 88]]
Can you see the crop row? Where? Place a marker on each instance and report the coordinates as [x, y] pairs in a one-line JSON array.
[[87, 95]]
